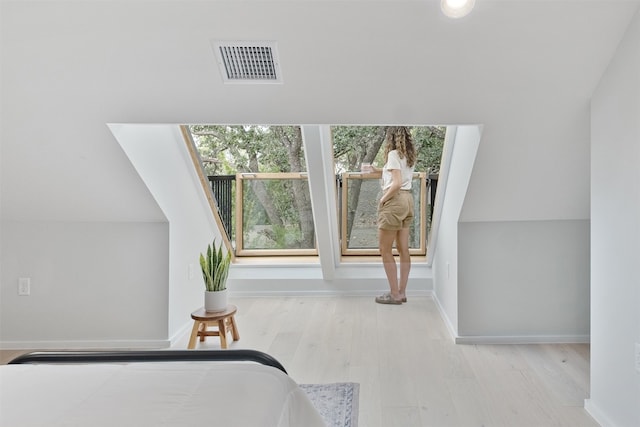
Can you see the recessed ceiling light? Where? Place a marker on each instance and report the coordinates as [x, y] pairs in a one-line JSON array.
[[457, 8]]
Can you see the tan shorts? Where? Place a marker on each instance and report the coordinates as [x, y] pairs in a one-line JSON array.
[[397, 212]]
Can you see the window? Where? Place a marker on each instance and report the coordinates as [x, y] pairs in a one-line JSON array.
[[265, 201], [273, 215], [358, 217]]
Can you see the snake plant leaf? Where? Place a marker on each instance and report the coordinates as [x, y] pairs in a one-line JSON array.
[[215, 267], [222, 272]]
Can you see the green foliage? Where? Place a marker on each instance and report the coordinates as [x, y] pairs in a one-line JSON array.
[[278, 211], [274, 237], [227, 150], [230, 149], [260, 232], [281, 192], [429, 144], [353, 145], [215, 268]]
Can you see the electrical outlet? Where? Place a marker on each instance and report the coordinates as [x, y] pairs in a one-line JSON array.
[[24, 286], [638, 358]]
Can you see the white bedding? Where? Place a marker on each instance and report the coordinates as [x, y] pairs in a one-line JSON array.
[[153, 394]]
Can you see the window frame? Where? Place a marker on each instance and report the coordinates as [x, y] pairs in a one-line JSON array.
[[422, 213], [240, 250]]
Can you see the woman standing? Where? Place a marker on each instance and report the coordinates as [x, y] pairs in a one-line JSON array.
[[395, 211]]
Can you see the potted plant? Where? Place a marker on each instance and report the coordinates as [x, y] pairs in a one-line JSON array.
[[215, 270]]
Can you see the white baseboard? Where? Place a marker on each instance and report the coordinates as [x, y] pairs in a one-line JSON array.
[[84, 345], [597, 414], [185, 330], [443, 314], [524, 339], [508, 339]]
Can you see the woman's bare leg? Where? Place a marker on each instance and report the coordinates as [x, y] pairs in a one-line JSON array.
[[402, 245], [385, 243]]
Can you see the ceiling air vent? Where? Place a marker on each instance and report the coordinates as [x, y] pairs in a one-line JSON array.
[[248, 62]]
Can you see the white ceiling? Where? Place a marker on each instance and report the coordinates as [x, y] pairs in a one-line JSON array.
[[524, 69]]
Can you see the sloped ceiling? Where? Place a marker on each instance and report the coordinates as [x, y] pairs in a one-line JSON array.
[[523, 69]]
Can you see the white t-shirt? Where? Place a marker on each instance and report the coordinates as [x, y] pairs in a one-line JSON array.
[[395, 162]]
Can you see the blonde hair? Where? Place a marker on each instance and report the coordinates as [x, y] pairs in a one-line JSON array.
[[399, 138]]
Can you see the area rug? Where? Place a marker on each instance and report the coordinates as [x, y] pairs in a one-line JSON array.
[[336, 402]]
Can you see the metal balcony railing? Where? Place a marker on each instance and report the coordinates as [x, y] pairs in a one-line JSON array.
[[270, 214], [224, 191]]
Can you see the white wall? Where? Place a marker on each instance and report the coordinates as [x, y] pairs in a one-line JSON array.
[[522, 276], [93, 284], [509, 281], [615, 236], [161, 157], [523, 281], [527, 203], [458, 159]]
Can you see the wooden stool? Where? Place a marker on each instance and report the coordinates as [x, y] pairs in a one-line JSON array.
[[224, 320]]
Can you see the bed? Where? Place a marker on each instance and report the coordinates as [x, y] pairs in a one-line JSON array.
[[234, 388]]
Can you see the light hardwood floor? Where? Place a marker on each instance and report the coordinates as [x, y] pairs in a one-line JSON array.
[[410, 371]]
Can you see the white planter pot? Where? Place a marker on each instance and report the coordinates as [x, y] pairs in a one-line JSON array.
[[215, 301]]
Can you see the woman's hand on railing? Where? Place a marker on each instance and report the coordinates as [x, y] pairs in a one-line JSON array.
[[369, 168]]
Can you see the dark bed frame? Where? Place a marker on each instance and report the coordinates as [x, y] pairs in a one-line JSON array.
[[70, 357]]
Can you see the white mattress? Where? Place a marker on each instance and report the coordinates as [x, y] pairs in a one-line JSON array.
[[153, 394]]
